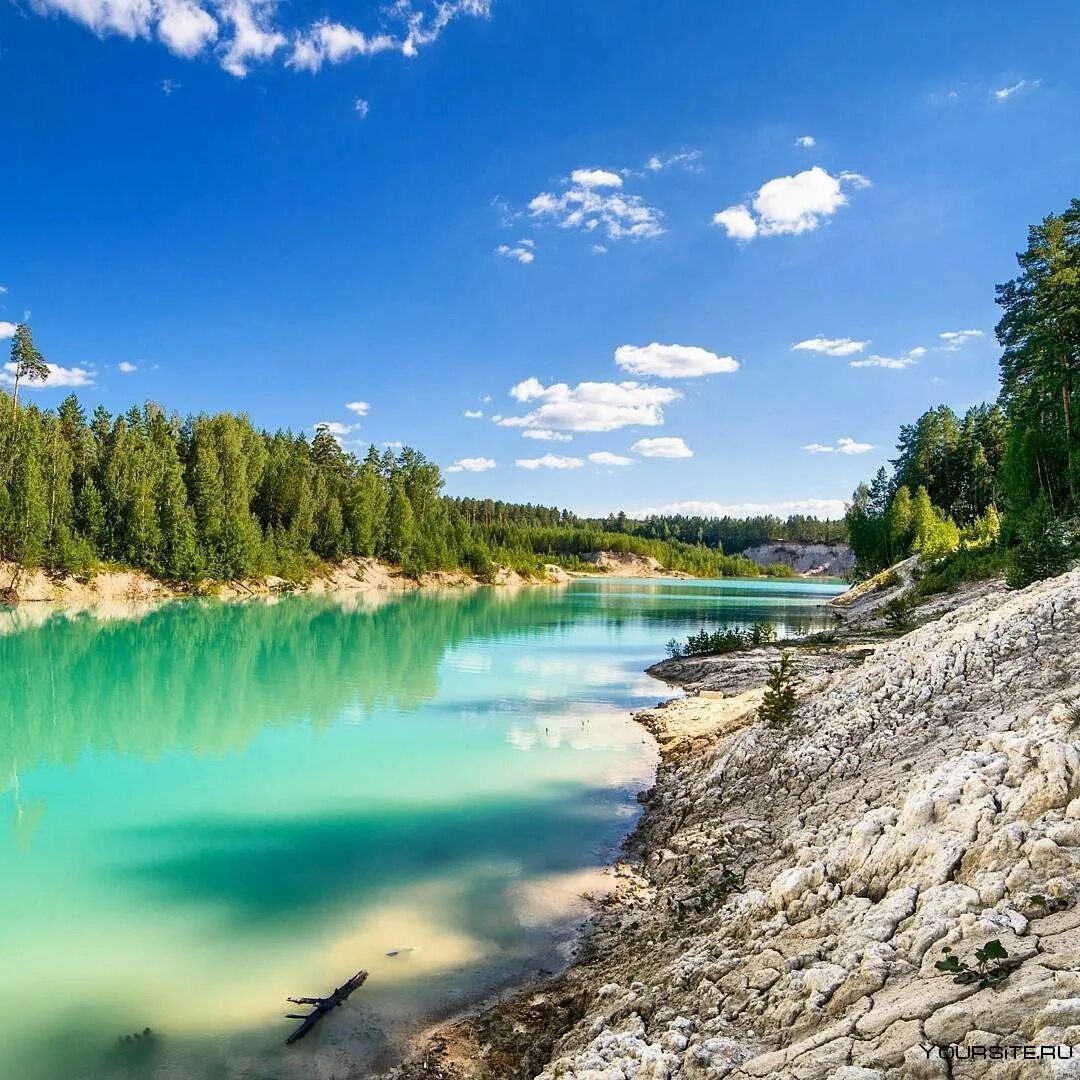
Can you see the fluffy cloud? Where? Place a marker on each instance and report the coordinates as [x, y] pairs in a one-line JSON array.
[[850, 446], [605, 457], [824, 508], [58, 376], [334, 43], [672, 361], [523, 251], [549, 461], [790, 205], [595, 178], [843, 346], [843, 446], [186, 29], [254, 37], [7, 329], [738, 221], [472, 464], [593, 202], [362, 107], [667, 446], [806, 141], [126, 367], [912, 356], [589, 406], [247, 31], [957, 339], [544, 435], [473, 414], [361, 408], [332, 427]]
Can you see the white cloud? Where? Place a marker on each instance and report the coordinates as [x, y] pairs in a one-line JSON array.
[[605, 457], [7, 329], [126, 367], [672, 361], [523, 251], [361, 408], [828, 508], [3, 289], [544, 435], [831, 346], [472, 464], [957, 339], [393, 444], [169, 87], [248, 31], [334, 428], [549, 461], [599, 249], [790, 205], [58, 375], [1004, 92], [738, 221], [688, 160], [595, 178], [334, 43], [473, 414], [593, 202], [806, 141], [254, 38], [912, 356], [850, 446], [185, 29], [590, 406], [362, 107], [667, 446], [843, 446]]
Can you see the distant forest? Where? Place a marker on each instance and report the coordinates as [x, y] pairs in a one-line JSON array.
[[997, 489], [215, 498]]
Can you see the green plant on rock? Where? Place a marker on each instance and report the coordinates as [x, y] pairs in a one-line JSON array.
[[778, 705], [899, 613], [991, 968], [710, 895]]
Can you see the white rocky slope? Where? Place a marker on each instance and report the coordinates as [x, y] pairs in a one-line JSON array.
[[929, 797], [834, 559]]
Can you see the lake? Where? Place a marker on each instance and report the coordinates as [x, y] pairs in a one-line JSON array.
[[206, 807]]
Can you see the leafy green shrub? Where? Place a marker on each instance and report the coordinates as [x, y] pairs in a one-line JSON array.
[[725, 640], [899, 613], [966, 564], [992, 966], [709, 896], [1045, 547], [778, 705]]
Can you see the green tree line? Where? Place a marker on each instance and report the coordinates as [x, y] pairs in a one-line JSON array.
[[215, 498], [1004, 479]]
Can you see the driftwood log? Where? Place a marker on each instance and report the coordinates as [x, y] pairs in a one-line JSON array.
[[321, 1006]]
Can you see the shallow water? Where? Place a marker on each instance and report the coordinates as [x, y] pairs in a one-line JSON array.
[[206, 807]]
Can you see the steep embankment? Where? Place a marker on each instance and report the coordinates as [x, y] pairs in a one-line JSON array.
[[795, 888], [628, 564], [21, 585], [813, 560]]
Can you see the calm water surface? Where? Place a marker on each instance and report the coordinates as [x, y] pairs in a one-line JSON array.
[[206, 807]]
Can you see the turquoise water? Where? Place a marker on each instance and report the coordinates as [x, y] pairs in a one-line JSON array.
[[206, 807]]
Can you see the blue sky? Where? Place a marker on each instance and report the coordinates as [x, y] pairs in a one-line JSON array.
[[421, 208]]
